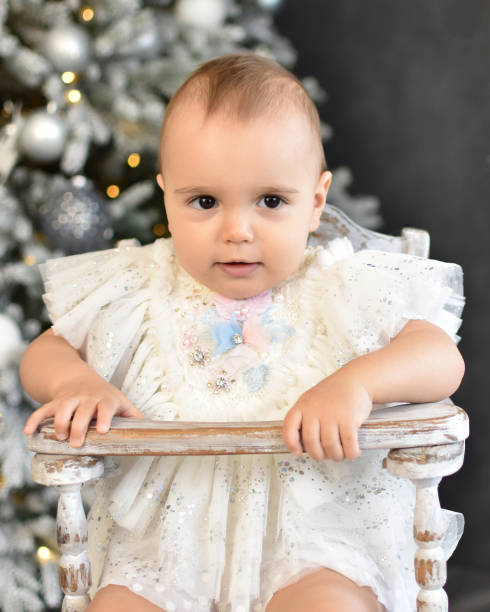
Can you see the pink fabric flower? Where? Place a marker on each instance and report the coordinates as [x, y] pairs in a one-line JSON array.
[[241, 358], [243, 309], [255, 334]]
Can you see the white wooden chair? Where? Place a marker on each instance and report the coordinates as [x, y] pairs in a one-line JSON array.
[[425, 442]]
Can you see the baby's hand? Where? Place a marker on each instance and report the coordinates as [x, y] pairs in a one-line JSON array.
[[76, 403], [328, 416]]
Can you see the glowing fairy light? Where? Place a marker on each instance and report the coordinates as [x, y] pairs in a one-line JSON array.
[[30, 260], [68, 77], [134, 160], [44, 554], [113, 191], [87, 13], [74, 96]]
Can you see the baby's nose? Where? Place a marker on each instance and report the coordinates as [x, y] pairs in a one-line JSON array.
[[237, 227]]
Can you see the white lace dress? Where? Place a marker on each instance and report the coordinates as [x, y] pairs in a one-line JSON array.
[[219, 533]]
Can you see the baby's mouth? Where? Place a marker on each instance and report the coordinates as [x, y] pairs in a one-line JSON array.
[[238, 268]]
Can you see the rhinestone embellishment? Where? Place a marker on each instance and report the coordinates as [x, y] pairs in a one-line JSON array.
[[237, 338], [221, 383], [198, 357]]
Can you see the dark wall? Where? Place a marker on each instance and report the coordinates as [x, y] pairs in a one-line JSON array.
[[409, 101]]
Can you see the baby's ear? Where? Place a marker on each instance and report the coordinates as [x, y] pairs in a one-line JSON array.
[[320, 198], [160, 181]]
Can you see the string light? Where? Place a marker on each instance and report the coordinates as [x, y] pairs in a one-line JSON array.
[[44, 554], [68, 77], [30, 260], [160, 229], [134, 160], [113, 191], [74, 96], [87, 13]]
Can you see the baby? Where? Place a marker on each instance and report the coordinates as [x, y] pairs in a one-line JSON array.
[[235, 318]]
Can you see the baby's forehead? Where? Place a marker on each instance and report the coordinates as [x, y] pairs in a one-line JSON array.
[[193, 113]]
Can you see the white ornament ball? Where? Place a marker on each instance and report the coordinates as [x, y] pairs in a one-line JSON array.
[[206, 14], [43, 137], [67, 48], [11, 346]]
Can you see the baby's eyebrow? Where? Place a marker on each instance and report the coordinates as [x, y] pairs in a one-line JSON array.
[[268, 188]]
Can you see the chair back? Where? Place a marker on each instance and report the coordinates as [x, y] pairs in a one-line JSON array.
[[334, 224]]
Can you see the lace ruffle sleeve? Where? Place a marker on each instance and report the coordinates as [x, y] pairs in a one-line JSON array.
[[369, 296], [102, 292]]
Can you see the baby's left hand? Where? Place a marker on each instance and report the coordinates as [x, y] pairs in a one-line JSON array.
[[328, 416]]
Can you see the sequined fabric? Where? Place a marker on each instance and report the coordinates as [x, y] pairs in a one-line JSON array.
[[224, 533]]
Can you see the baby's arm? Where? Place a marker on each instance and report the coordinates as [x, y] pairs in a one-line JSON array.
[[421, 364], [53, 373]]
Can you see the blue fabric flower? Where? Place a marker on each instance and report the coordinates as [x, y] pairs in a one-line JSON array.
[[223, 333]]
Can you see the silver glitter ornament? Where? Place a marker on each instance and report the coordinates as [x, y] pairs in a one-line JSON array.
[[43, 137], [67, 48], [76, 219]]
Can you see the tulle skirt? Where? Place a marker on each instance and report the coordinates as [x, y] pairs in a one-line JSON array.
[[225, 533]]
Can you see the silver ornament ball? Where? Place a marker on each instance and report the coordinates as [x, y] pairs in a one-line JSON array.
[[76, 220], [67, 48], [148, 43], [206, 14], [43, 137]]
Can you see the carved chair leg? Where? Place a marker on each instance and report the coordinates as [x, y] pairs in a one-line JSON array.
[[68, 474], [425, 466]]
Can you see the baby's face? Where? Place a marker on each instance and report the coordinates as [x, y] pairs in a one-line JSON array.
[[241, 197]]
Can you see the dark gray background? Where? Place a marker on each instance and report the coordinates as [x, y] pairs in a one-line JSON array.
[[409, 102]]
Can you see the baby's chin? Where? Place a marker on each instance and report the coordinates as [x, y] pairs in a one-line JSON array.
[[239, 293]]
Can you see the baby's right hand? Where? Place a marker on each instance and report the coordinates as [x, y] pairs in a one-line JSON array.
[[77, 402]]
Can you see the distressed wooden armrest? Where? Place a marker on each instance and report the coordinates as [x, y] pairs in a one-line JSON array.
[[427, 442], [399, 426]]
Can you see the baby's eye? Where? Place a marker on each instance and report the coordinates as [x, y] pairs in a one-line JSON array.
[[270, 201], [203, 203]]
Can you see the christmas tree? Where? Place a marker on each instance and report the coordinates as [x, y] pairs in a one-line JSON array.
[[83, 89]]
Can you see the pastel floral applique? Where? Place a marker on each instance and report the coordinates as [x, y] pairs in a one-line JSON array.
[[229, 334], [241, 331], [256, 377]]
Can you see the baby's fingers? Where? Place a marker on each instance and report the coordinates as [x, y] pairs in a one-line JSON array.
[[331, 442], [310, 432], [106, 409], [350, 442], [291, 431], [44, 412], [81, 420]]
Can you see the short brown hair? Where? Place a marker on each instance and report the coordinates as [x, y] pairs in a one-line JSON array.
[[246, 85]]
